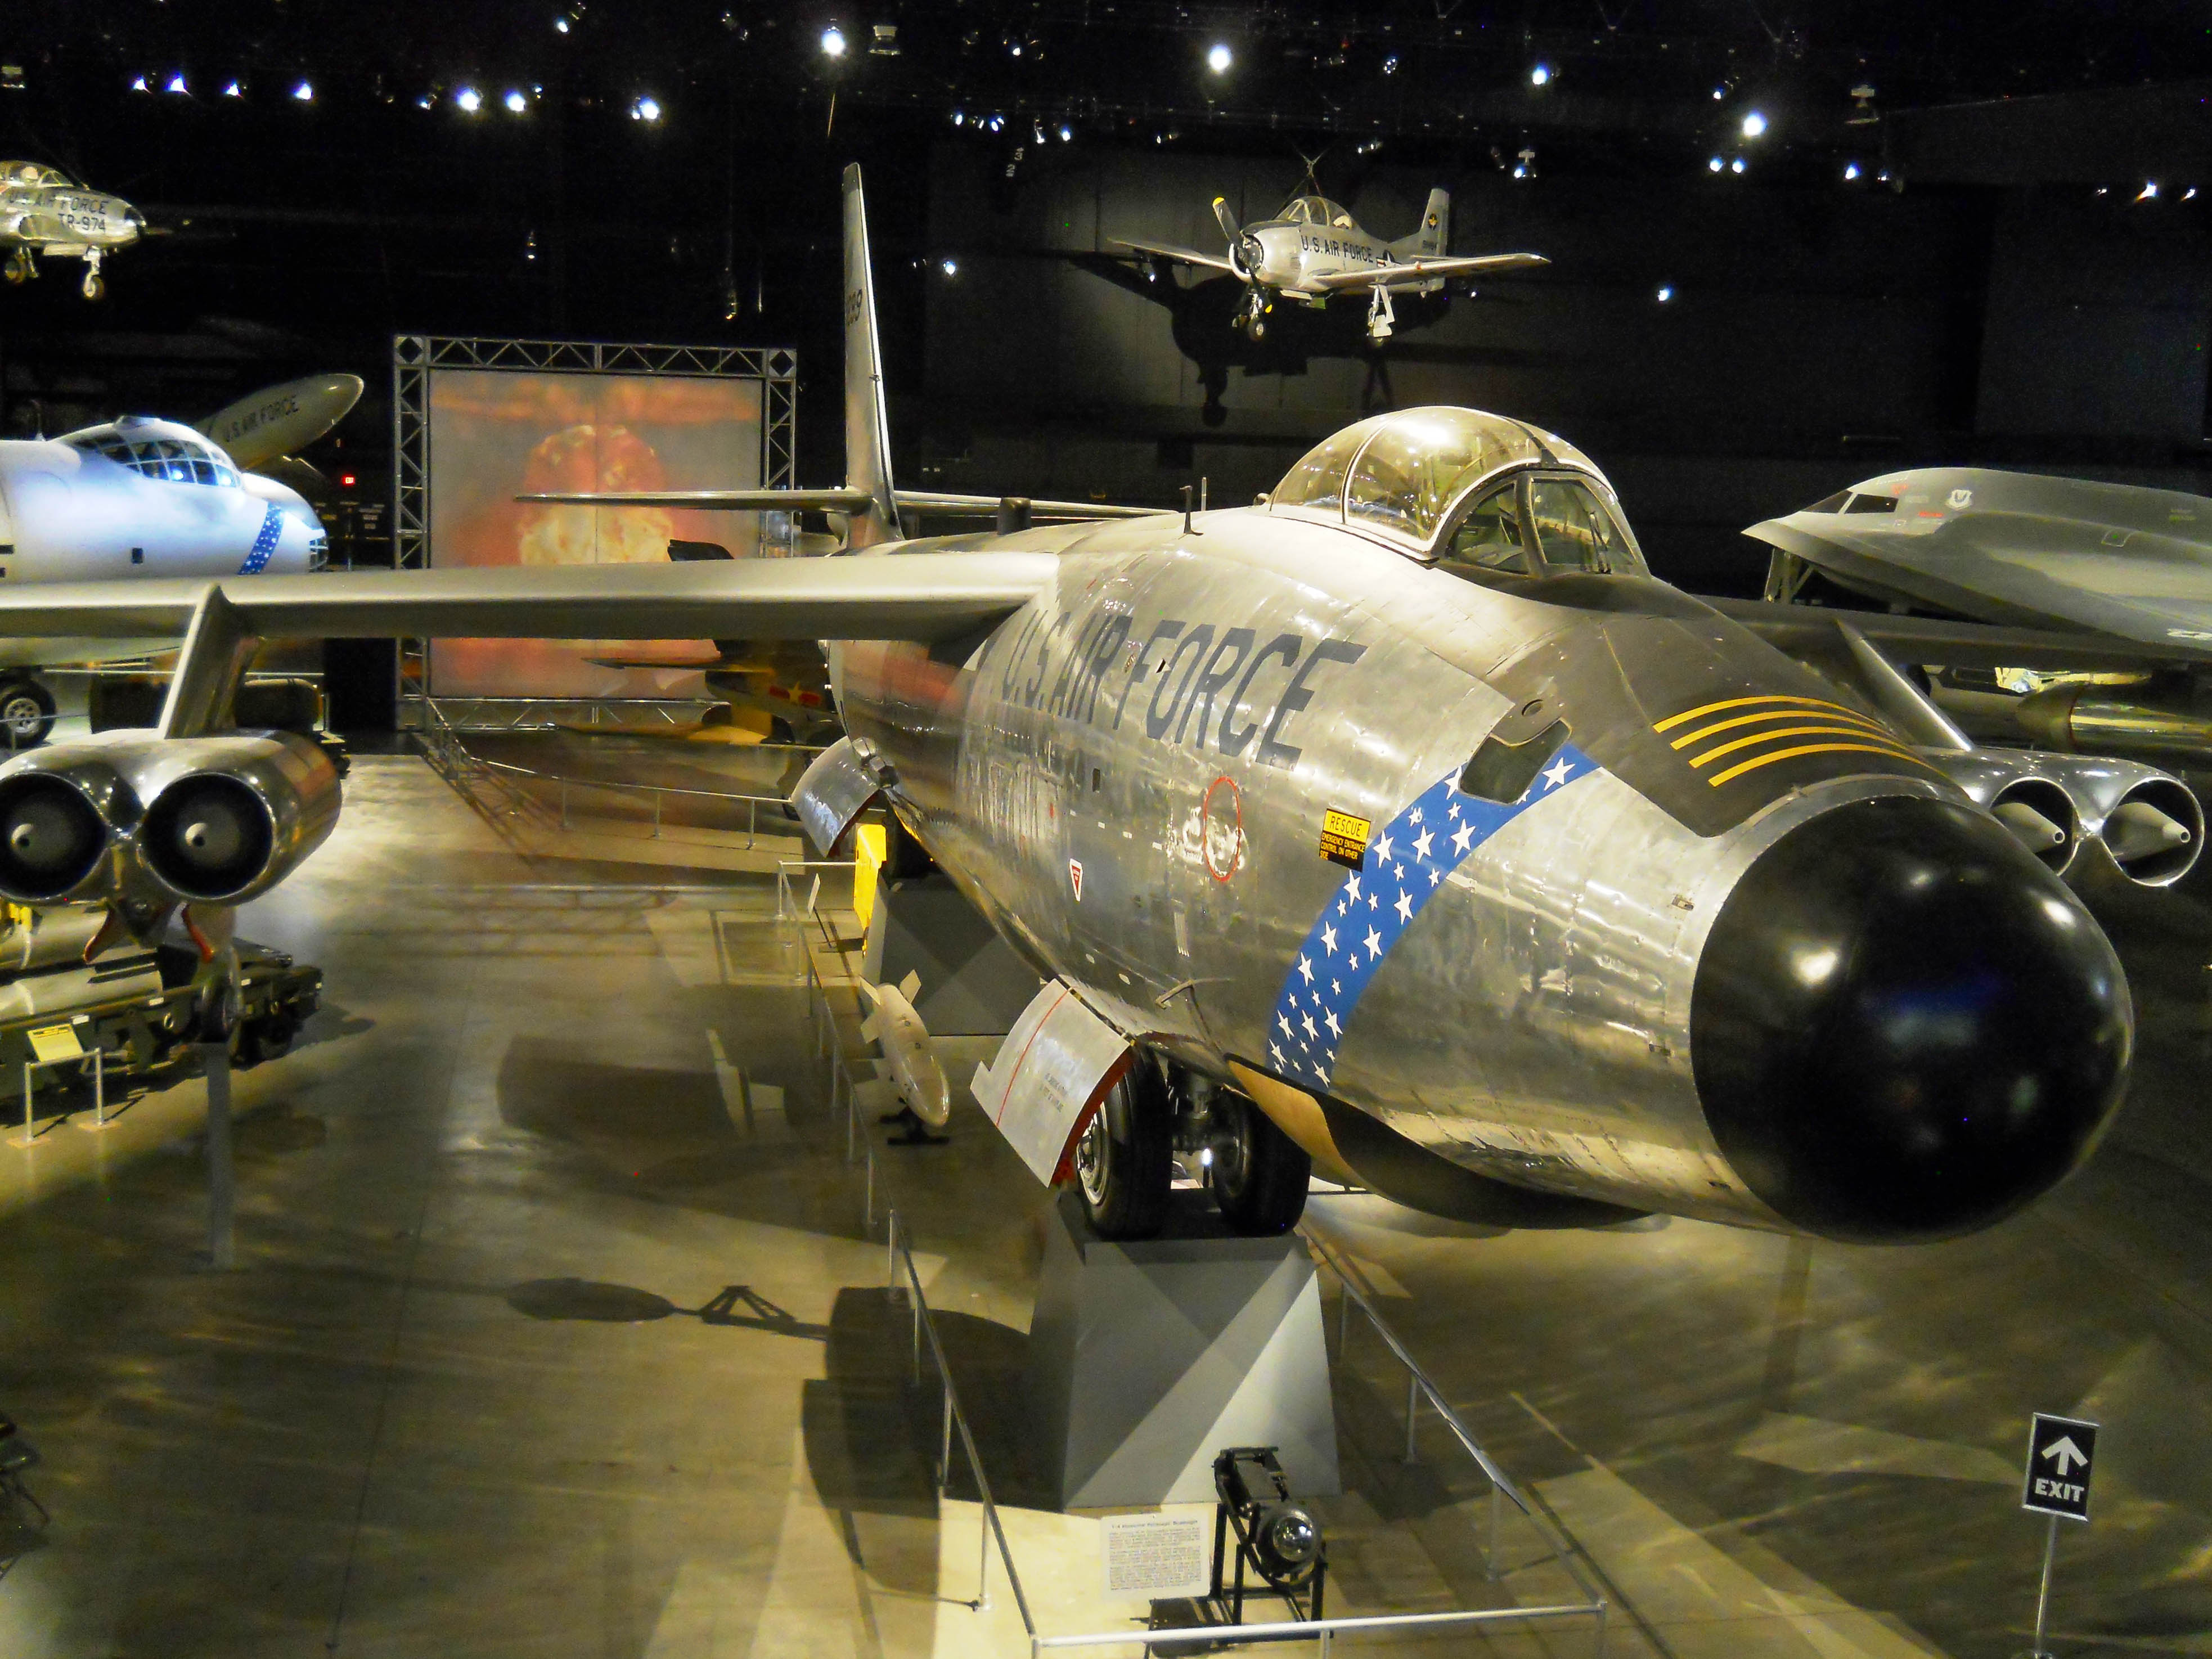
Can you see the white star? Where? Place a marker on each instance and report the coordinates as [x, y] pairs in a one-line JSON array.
[[1421, 843], [1373, 945], [1463, 838], [1414, 816], [1383, 847], [1352, 886], [1558, 773], [1328, 935], [1341, 904], [1306, 968], [1311, 1030], [1372, 901], [1329, 1020], [1434, 875], [1398, 872], [1455, 810], [1336, 987], [1404, 907], [1283, 1020], [1276, 1052]]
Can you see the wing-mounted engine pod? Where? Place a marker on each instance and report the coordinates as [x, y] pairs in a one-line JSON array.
[[63, 812], [227, 817], [2155, 833]]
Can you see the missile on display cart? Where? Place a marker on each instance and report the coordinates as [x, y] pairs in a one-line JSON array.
[[282, 420], [915, 1076]]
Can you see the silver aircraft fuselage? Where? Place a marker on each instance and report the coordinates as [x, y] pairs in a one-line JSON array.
[[1690, 969]]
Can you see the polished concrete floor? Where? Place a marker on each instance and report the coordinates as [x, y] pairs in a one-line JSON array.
[[551, 1334]]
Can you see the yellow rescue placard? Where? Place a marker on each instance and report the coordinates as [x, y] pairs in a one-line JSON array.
[[56, 1042], [1343, 838]]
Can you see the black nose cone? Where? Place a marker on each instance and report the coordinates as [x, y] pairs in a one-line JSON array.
[[1904, 1026]]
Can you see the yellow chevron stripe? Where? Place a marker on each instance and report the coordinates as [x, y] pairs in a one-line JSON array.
[[1674, 720], [1756, 762], [1874, 727], [1829, 731]]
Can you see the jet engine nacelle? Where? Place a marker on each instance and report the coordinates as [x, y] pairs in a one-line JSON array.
[[2076, 811], [127, 815]]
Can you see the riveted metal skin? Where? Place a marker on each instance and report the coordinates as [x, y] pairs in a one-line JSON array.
[[1129, 776]]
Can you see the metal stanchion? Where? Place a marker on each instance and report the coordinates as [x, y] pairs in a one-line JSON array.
[[222, 1175]]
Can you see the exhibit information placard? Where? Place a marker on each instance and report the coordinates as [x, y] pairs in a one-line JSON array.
[[1158, 1556]]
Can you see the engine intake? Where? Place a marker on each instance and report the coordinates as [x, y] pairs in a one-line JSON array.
[[53, 838]]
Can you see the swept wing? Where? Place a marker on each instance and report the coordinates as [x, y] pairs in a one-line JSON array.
[[841, 500], [926, 598]]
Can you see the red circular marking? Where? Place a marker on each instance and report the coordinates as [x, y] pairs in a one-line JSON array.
[[1206, 821]]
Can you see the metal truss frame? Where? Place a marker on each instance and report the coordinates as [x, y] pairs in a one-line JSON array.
[[414, 357]]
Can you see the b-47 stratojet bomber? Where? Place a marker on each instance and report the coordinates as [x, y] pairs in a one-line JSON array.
[[1314, 250], [1402, 826]]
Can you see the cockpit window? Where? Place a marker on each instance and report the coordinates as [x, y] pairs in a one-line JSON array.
[[1573, 530], [1408, 476], [1490, 537], [1317, 482], [173, 460]]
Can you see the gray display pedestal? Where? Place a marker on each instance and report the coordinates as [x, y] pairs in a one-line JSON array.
[[972, 982], [1147, 1358]]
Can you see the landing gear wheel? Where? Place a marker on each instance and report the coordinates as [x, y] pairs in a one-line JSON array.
[[94, 285], [1126, 1159], [1258, 329], [26, 715], [266, 1038], [18, 273], [1259, 1173]]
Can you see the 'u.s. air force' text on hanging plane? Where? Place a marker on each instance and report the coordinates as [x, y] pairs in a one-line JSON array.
[[1420, 836]]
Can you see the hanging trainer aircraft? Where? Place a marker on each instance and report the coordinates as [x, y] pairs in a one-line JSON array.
[[1314, 250], [138, 498], [2120, 576], [44, 210], [1400, 825]]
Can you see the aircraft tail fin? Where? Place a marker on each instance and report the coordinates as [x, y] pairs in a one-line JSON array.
[[867, 423], [1434, 237]]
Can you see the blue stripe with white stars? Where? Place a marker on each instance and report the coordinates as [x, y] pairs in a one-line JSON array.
[[264, 543], [1366, 916]]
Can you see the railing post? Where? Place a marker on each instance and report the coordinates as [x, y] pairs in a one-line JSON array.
[[656, 815], [944, 1450], [1412, 1409], [868, 1207], [983, 1557], [1490, 1550]]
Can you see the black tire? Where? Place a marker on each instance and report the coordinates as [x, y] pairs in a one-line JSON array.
[[1259, 1174], [26, 715], [269, 1037], [1125, 1160]]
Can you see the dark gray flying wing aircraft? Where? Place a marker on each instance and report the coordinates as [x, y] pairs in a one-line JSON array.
[[2097, 600]]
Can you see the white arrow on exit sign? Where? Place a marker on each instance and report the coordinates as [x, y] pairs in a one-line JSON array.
[[2065, 1455]]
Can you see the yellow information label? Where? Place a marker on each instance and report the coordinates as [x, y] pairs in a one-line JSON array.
[[1343, 838], [56, 1042]]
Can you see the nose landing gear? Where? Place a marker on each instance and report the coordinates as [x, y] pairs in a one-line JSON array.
[[94, 285], [1253, 317]]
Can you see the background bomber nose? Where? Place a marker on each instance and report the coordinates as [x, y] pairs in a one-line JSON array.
[[1904, 1026]]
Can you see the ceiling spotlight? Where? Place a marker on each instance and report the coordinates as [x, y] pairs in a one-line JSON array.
[[1753, 125], [176, 85], [1736, 166], [1218, 57], [997, 123], [1390, 65], [958, 119], [1850, 170], [950, 267], [1015, 48], [2189, 195], [1714, 165], [425, 102], [1540, 76], [560, 26], [138, 83], [833, 42], [469, 99], [305, 91], [647, 108], [1666, 293], [515, 102], [234, 90], [1066, 134], [1719, 93], [2149, 192]]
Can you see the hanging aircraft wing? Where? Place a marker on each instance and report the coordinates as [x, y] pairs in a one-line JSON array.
[[1180, 255], [2019, 549], [927, 598], [831, 501], [1413, 272]]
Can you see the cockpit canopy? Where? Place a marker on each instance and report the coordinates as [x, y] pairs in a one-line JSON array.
[[1316, 210], [35, 175], [157, 449]]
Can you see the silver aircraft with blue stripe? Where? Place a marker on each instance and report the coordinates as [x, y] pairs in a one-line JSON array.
[[1399, 826]]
